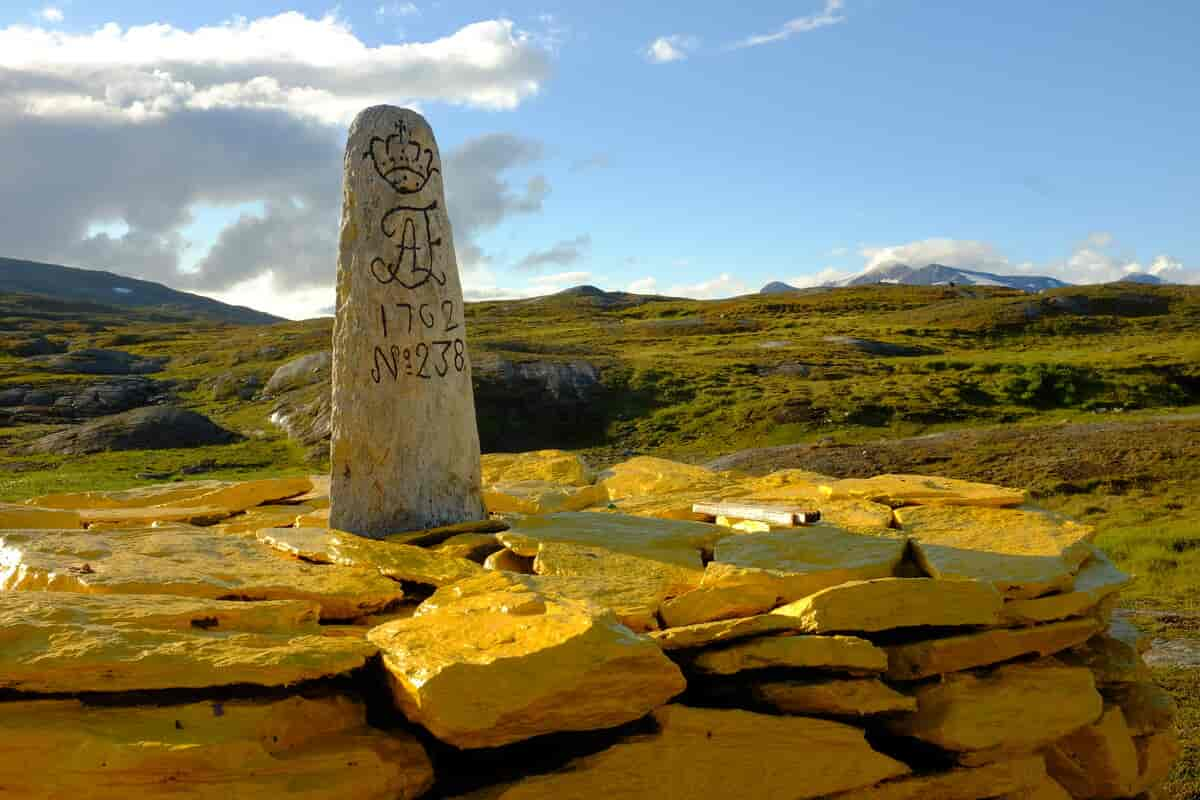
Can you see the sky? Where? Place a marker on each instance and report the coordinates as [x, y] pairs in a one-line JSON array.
[[683, 147]]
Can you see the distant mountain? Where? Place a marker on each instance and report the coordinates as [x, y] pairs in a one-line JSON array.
[[777, 287], [106, 288], [1142, 277], [940, 274]]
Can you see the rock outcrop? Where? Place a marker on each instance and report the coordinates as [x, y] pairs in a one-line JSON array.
[[154, 428], [215, 639]]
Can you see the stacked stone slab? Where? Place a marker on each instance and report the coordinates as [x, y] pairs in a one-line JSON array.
[[929, 639]]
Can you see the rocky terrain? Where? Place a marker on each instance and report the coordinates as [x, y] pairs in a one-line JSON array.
[[597, 636]]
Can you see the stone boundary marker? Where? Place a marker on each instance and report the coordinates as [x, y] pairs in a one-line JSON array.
[[405, 452]]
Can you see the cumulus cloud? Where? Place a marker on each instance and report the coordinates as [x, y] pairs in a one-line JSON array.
[[968, 254], [675, 47], [820, 277], [828, 16], [52, 14], [141, 126], [311, 68], [724, 285], [646, 285], [560, 254], [561, 280]]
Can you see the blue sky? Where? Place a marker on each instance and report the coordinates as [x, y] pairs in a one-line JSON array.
[[683, 147]]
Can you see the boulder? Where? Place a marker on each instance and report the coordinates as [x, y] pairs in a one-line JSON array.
[[232, 386], [306, 370], [62, 642], [471, 546], [877, 348], [888, 603], [916, 660], [1112, 660], [1025, 554], [154, 428], [505, 560], [984, 715], [843, 697], [499, 667], [844, 653], [100, 362], [1157, 754], [307, 749], [725, 753], [645, 475], [192, 562], [1148, 708]]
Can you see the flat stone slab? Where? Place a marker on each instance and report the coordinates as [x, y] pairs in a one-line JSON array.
[[540, 497], [643, 476], [849, 697], [1098, 760], [129, 498], [30, 517], [719, 753], [248, 494], [846, 653], [319, 749], [799, 562], [62, 642], [1024, 553], [192, 562], [1014, 779], [917, 660], [727, 630], [669, 541], [721, 602], [1005, 710], [498, 667], [554, 466], [1097, 579], [922, 490], [887, 603], [401, 562]]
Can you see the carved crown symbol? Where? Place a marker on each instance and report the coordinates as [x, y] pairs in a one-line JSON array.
[[401, 161]]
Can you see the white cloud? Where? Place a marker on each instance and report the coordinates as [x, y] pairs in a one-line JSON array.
[[647, 285], [827, 16], [562, 279], [968, 254], [560, 254], [52, 14], [724, 285], [675, 47], [265, 294], [826, 275], [308, 68]]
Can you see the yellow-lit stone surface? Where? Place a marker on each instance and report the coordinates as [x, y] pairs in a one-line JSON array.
[[401, 562], [194, 562], [669, 541], [627, 596], [787, 484], [431, 537], [851, 697], [498, 667], [540, 497], [153, 515], [318, 495], [471, 546], [660, 577], [744, 525], [673, 505], [129, 498], [717, 753], [1157, 753], [30, 517], [727, 630], [287, 749], [711, 603], [1003, 710], [924, 490], [66, 642], [799, 562], [818, 652], [1097, 579], [1047, 789], [645, 475], [888, 603], [241, 496], [317, 518], [554, 466], [954, 653], [256, 519], [803, 489], [1014, 776], [1097, 760], [1148, 708], [1023, 553], [507, 561]]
